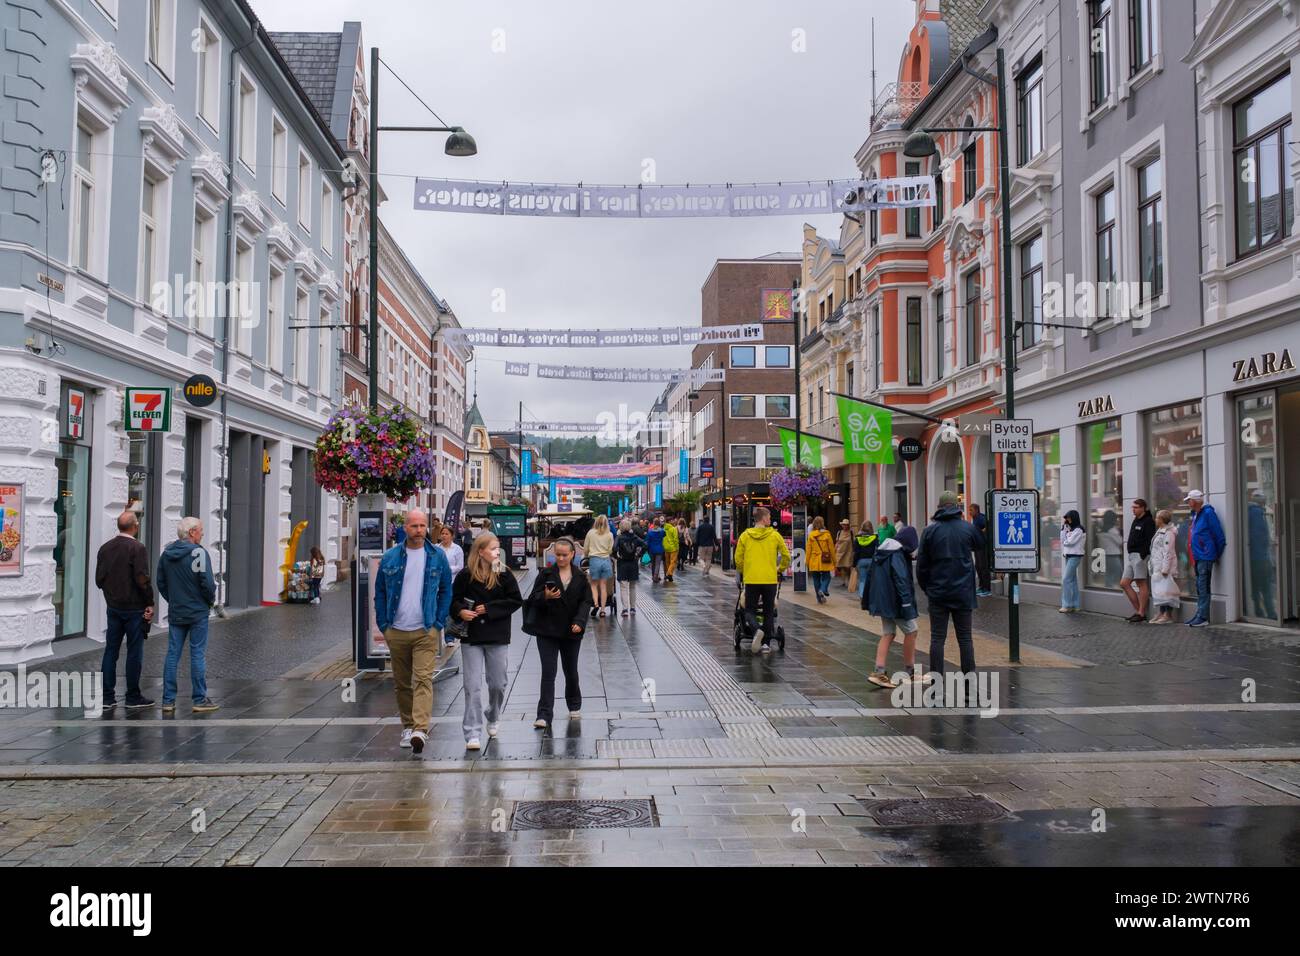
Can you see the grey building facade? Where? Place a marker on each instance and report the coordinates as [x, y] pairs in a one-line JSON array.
[[1142, 403], [162, 168]]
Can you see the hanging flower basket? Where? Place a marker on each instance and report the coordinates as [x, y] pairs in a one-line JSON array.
[[800, 486], [373, 452]]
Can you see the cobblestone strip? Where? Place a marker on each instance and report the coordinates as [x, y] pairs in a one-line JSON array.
[[209, 821]]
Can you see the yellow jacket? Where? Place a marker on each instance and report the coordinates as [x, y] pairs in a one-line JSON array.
[[761, 555], [821, 551], [670, 537]]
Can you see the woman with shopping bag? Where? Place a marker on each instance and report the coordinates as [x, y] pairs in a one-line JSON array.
[[1165, 591]]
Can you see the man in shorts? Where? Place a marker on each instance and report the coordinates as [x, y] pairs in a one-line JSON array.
[[1136, 583]]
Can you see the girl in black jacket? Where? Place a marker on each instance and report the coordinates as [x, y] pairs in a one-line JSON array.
[[485, 600], [556, 614]]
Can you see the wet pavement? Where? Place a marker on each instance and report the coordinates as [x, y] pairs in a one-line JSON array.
[[728, 744]]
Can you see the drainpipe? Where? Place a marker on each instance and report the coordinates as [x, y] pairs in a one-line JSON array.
[[227, 274]]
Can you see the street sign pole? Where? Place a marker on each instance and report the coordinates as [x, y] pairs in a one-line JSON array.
[[1011, 437]]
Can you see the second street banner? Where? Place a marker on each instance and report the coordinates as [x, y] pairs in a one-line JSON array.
[[607, 338]]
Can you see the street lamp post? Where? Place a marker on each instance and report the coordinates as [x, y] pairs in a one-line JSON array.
[[459, 143], [921, 145]]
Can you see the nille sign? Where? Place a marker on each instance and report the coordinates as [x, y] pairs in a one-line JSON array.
[[148, 409]]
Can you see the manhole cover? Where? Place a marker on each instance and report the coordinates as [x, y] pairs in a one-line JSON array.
[[583, 814], [922, 811]]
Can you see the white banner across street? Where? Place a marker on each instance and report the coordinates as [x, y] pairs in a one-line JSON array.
[[663, 202], [596, 373], [608, 338]]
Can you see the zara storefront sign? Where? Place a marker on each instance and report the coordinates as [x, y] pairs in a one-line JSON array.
[[1096, 406], [1270, 363]]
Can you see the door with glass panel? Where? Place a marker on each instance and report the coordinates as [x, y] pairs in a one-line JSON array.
[[1259, 482]]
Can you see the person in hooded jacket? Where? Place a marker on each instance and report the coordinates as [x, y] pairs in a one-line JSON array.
[[556, 614], [889, 596], [761, 558], [820, 552], [864, 549], [185, 582], [945, 570], [654, 539]]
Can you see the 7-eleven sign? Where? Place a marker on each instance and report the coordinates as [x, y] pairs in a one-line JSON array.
[[148, 410]]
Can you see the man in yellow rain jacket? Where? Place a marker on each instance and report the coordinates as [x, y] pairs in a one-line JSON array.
[[761, 557], [672, 544]]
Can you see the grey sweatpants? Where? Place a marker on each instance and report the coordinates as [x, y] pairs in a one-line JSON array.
[[474, 660]]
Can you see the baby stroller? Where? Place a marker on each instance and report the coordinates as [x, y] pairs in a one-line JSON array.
[[741, 630]]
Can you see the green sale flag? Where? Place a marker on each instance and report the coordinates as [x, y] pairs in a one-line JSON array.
[[810, 452], [868, 432]]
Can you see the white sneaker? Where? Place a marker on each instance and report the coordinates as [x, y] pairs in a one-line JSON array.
[[418, 737], [406, 738], [756, 644], [473, 744], [492, 729], [540, 723], [575, 714]]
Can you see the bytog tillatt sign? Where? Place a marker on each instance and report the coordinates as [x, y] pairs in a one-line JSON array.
[[1013, 436]]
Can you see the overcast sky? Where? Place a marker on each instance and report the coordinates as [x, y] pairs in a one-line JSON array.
[[586, 91]]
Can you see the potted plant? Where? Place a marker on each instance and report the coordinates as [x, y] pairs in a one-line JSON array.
[[373, 452], [798, 486]]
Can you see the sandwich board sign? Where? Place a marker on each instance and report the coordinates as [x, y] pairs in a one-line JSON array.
[[1013, 522]]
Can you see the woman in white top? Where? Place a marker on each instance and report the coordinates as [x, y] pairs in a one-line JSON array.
[[455, 556], [1072, 548], [1164, 569], [599, 549]]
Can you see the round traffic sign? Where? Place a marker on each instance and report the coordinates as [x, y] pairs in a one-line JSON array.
[[200, 390], [909, 449]]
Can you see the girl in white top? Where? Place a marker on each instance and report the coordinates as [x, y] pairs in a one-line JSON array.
[[1072, 549]]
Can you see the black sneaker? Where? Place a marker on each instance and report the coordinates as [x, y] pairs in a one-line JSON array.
[[593, 612], [140, 704], [110, 704], [1135, 618]]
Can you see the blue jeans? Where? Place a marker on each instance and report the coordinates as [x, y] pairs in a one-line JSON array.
[[128, 624], [863, 566], [821, 581], [198, 636], [1204, 569], [1070, 581]]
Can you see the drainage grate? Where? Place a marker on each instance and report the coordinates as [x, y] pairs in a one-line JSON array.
[[925, 812], [583, 814]]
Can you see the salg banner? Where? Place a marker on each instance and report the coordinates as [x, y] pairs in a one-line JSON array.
[[607, 338], [650, 201]]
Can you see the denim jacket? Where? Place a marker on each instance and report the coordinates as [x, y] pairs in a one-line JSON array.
[[436, 599]]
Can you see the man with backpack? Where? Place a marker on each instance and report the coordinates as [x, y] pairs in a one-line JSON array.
[[706, 539], [945, 570]]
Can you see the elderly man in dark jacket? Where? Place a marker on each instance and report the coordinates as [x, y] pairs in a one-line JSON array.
[[945, 570]]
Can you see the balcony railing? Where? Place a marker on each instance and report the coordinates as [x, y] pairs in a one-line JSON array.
[[894, 104]]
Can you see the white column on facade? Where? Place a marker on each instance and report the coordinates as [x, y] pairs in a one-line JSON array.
[[28, 444]]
